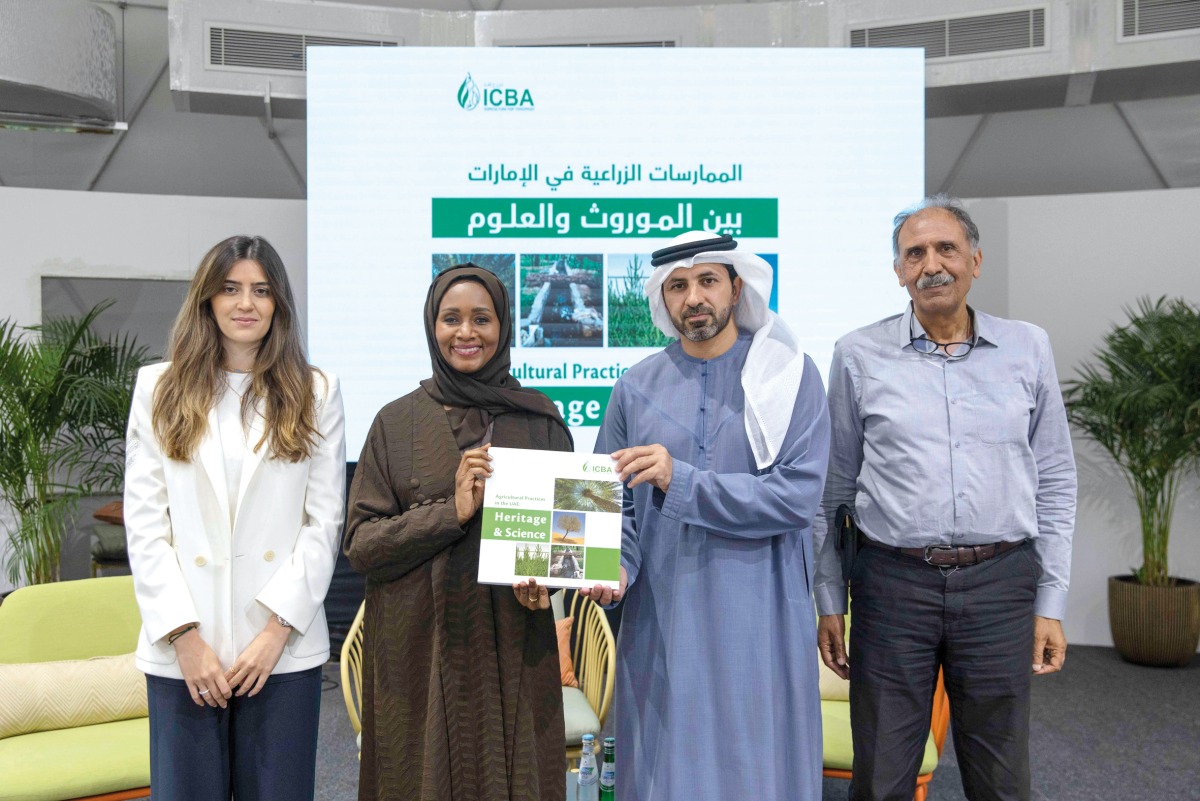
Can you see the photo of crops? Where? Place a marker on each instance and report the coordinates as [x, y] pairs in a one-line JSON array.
[[587, 495], [504, 265], [532, 560], [562, 300], [568, 528], [629, 324], [566, 561]]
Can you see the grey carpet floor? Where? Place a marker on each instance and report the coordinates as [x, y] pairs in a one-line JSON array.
[[1103, 728]]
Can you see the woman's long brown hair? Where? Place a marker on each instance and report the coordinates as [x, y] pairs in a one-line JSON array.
[[282, 380]]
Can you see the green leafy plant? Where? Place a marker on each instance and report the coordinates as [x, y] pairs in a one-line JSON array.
[[64, 401], [532, 561], [629, 321], [1140, 400]]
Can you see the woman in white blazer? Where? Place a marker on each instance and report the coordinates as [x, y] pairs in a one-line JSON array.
[[234, 501]]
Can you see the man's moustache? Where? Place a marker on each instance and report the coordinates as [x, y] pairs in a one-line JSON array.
[[935, 280]]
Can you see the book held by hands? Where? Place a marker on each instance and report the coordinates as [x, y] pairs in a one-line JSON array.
[[553, 516]]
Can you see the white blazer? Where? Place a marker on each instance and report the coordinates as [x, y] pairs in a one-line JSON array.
[[189, 564]]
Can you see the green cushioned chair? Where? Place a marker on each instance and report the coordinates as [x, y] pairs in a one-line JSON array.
[[839, 752], [71, 620]]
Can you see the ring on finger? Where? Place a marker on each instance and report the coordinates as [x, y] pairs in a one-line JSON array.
[[202, 692]]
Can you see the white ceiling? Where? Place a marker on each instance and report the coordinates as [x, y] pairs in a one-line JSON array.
[[1142, 144]]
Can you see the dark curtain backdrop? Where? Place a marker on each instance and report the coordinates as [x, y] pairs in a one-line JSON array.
[[346, 592]]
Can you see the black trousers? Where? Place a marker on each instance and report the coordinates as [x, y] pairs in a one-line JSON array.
[[907, 619], [257, 749]]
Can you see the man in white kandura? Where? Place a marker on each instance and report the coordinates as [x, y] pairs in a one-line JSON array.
[[722, 441]]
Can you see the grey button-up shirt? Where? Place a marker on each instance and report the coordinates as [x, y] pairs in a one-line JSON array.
[[930, 450]]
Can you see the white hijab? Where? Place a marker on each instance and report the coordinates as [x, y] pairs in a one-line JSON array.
[[774, 364]]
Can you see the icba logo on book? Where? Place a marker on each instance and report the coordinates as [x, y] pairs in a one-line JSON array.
[[493, 97]]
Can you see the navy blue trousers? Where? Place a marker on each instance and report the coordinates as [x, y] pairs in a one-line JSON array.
[[907, 619], [257, 749]]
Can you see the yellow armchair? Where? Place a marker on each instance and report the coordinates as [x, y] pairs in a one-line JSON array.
[[52, 630], [835, 724], [593, 654], [352, 670]]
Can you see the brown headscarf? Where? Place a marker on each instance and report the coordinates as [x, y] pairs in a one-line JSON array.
[[491, 390]]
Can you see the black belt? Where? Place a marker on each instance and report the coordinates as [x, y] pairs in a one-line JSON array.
[[948, 555]]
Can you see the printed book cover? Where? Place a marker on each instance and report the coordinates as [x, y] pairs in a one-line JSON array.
[[552, 516]]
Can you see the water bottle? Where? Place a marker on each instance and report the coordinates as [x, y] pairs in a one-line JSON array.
[[589, 780], [608, 771]]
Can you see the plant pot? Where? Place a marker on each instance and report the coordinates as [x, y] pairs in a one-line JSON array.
[[1157, 626]]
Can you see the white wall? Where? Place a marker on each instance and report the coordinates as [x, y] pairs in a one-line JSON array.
[[1072, 264], [122, 235]]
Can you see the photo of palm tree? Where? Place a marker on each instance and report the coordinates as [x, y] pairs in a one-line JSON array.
[[568, 528], [586, 495]]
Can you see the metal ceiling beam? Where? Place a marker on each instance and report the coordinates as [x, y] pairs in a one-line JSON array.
[[268, 122], [137, 109], [972, 141], [123, 4], [1137, 137], [1079, 89]]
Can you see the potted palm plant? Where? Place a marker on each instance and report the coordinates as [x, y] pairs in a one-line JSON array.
[[64, 402], [1140, 400]]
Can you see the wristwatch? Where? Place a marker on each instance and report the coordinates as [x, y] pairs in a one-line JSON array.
[[279, 619]]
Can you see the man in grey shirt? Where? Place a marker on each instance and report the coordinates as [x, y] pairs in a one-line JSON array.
[[950, 445]]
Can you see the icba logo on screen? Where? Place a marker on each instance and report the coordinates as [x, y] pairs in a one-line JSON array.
[[493, 97]]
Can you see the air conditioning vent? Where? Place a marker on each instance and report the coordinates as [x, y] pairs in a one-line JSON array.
[[1149, 17], [271, 51], [961, 36], [929, 35]]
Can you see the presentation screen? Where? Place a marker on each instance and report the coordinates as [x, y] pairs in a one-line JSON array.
[[562, 169]]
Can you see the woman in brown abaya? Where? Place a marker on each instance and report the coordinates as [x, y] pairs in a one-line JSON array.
[[462, 697]]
